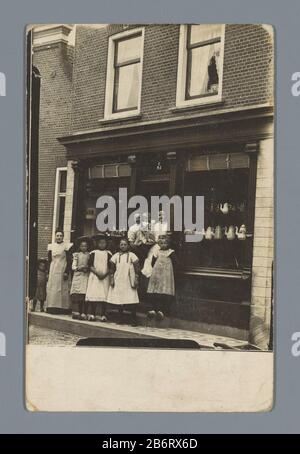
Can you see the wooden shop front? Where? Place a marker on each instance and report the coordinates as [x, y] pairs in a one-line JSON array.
[[210, 155]]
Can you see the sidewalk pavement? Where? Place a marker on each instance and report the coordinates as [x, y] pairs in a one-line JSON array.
[[64, 324]]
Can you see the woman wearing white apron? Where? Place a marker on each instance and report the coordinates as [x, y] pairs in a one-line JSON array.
[[124, 280], [59, 258]]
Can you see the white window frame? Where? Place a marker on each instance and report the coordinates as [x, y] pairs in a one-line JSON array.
[[182, 73], [57, 194], [110, 75]]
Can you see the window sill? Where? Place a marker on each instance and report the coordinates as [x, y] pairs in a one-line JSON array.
[[116, 119], [189, 107]]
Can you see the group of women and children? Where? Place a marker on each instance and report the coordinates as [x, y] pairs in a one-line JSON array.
[[142, 266]]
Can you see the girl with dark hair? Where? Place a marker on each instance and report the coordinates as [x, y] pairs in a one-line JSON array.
[[41, 283], [98, 283], [161, 287], [80, 266], [124, 268]]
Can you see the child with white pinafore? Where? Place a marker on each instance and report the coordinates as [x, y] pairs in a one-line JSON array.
[[98, 283], [161, 287], [124, 280], [80, 267]]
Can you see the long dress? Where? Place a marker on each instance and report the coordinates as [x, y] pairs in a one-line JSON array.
[[80, 278], [57, 288], [97, 289], [123, 292], [162, 278]]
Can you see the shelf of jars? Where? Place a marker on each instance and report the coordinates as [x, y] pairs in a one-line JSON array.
[[222, 242]]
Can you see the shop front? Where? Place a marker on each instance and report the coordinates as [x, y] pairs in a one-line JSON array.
[[189, 157]]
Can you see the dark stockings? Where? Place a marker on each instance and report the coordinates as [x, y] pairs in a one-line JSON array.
[[93, 308]]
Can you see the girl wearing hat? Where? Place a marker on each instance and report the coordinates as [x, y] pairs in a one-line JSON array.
[[98, 282]]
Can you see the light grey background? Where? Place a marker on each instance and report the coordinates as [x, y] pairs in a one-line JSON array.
[[14, 15]]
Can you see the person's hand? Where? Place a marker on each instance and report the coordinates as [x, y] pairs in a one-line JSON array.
[[65, 276], [136, 283], [112, 281]]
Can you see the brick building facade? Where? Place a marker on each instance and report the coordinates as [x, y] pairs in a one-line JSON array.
[[170, 135], [247, 73], [53, 57]]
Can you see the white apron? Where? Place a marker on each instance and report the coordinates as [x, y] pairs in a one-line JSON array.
[[58, 288], [122, 292], [147, 268], [162, 277], [80, 278], [97, 289]]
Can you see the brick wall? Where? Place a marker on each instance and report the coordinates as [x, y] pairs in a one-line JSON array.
[[55, 65], [247, 78]]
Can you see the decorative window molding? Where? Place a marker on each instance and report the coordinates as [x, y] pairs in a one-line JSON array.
[[195, 91], [220, 161], [115, 170], [59, 199], [124, 65]]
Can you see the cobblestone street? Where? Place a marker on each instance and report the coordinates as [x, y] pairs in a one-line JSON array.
[[44, 336]]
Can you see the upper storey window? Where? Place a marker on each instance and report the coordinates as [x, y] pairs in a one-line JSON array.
[[200, 64], [124, 74]]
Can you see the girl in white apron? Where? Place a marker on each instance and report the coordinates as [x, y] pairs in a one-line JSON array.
[[99, 279], [124, 280], [161, 287], [80, 266], [59, 258]]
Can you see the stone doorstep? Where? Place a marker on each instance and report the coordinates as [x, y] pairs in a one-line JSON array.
[[197, 327], [97, 329], [83, 328]]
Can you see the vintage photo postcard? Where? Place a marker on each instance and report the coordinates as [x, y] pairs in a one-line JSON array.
[[150, 217]]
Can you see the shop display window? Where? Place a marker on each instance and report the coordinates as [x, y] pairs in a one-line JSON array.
[[223, 180], [95, 188]]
